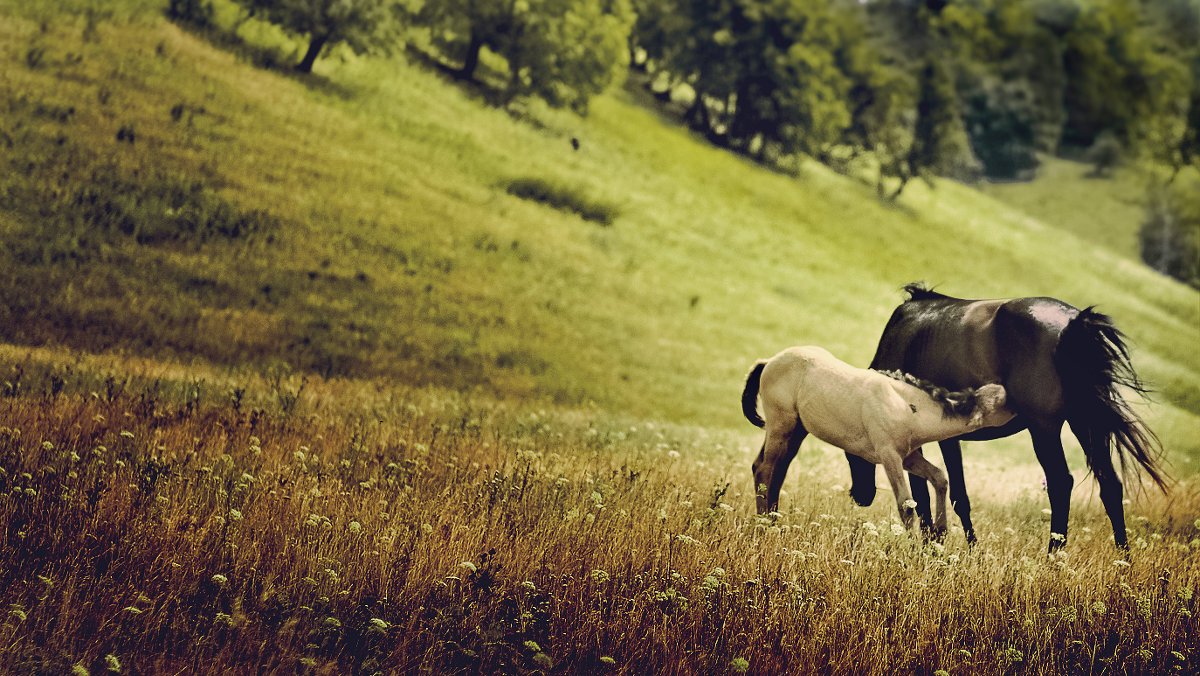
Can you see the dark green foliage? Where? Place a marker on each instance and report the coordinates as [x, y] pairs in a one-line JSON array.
[[1105, 153], [1187, 149], [940, 144], [769, 76], [564, 198], [196, 12], [362, 25], [1170, 235], [563, 53], [1000, 122], [1118, 78]]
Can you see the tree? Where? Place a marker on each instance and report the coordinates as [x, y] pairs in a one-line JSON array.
[[563, 52], [1119, 79], [1170, 235], [1000, 120], [767, 74], [1105, 153], [362, 25], [567, 52], [940, 144], [1188, 150]]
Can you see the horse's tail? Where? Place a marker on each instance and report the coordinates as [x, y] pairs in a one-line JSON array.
[[1092, 363], [750, 395]]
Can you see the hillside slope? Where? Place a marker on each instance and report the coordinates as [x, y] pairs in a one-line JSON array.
[[369, 233]]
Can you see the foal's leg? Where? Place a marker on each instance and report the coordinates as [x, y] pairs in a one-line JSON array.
[[893, 466], [917, 465], [1047, 444], [862, 480], [920, 493], [770, 467]]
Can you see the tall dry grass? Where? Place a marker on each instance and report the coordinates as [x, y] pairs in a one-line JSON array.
[[368, 529]]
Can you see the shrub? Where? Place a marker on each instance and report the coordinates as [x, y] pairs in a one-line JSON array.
[[1170, 235], [196, 12], [563, 198], [1105, 153]]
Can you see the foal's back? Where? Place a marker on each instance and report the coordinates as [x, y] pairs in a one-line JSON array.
[[830, 398]]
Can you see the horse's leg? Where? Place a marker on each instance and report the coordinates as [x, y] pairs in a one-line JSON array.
[[1047, 444], [862, 480], [1112, 493], [770, 467], [952, 456], [893, 466], [917, 465], [920, 495]]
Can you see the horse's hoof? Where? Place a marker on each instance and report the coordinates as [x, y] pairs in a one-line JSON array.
[[863, 497]]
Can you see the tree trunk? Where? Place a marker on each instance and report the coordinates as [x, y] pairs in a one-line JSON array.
[[471, 60], [310, 57]]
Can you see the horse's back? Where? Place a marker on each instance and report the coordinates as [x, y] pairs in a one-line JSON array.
[[960, 343], [948, 341]]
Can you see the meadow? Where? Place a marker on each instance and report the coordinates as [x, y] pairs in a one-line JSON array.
[[353, 373], [151, 527]]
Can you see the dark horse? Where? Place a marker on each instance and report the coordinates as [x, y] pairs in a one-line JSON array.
[[1057, 362]]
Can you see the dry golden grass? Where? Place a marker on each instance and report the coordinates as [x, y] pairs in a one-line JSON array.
[[374, 529]]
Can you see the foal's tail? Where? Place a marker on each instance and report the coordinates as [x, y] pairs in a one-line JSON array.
[[750, 395], [1092, 363]]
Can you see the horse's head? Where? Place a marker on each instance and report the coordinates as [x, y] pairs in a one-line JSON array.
[[991, 406]]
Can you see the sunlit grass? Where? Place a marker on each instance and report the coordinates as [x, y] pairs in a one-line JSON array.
[[399, 252], [417, 531], [431, 427]]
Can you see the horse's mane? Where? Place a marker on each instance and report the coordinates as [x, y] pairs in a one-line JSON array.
[[959, 403], [921, 291]]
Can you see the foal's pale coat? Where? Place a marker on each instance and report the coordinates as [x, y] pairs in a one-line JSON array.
[[878, 418]]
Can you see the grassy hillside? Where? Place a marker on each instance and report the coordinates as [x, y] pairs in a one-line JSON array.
[[1067, 195], [291, 380], [378, 237]]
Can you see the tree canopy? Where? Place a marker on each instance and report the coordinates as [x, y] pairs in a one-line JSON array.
[[563, 52], [363, 25], [958, 88]]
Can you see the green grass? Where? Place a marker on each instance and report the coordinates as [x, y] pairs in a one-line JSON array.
[[400, 253], [1067, 195], [193, 414]]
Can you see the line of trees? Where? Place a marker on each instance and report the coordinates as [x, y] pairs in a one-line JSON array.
[[906, 88], [960, 88]]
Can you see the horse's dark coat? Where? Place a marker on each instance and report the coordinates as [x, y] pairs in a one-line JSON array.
[[1057, 362]]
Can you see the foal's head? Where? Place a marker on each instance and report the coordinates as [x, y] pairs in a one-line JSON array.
[[990, 406]]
